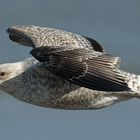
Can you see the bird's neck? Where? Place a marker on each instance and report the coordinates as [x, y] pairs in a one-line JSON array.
[[19, 83]]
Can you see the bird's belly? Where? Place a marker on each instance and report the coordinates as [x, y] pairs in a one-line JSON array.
[[80, 98]]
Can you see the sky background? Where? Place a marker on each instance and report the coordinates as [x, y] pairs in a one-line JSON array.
[[116, 25]]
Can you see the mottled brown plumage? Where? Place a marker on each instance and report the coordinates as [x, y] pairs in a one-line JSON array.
[[74, 71]]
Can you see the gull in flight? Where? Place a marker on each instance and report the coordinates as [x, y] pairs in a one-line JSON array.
[[67, 71]]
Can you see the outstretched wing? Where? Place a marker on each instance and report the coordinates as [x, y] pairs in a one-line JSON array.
[[85, 68], [34, 36]]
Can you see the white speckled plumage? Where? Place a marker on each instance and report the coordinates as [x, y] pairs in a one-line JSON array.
[[74, 72]]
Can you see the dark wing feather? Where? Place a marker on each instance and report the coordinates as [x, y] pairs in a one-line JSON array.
[[96, 46], [85, 68]]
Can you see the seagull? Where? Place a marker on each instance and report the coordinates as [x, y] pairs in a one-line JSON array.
[[66, 71]]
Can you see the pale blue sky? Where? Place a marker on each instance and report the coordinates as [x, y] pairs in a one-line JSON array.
[[116, 25]]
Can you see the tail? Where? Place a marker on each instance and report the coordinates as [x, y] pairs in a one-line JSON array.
[[133, 82]]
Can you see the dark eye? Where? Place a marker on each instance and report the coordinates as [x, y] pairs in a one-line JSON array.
[[2, 73]]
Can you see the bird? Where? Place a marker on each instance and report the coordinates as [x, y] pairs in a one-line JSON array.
[[65, 71]]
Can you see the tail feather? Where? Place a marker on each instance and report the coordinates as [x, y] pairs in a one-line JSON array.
[[133, 82]]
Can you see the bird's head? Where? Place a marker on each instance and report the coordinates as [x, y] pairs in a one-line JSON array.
[[9, 71], [9, 76]]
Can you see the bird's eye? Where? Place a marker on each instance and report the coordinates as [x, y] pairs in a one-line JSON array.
[[2, 73]]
